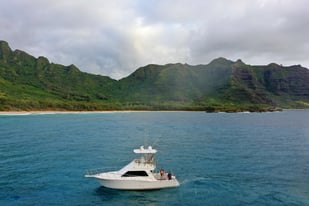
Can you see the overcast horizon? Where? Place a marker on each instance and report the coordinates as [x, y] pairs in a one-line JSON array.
[[114, 38]]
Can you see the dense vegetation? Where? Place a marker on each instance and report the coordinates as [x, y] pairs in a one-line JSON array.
[[29, 83]]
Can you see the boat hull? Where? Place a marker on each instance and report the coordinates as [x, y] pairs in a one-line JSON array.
[[138, 184]]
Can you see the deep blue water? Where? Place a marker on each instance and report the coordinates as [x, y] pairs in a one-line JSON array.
[[219, 159]]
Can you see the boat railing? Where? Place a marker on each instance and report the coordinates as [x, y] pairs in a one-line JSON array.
[[145, 161], [99, 170]]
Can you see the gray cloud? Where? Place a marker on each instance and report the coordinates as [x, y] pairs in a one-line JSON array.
[[115, 37]]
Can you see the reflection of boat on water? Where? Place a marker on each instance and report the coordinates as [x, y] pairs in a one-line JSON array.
[[139, 174]]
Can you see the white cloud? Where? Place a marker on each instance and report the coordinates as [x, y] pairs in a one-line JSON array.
[[116, 37]]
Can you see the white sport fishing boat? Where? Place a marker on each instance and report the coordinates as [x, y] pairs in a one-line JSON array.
[[137, 175]]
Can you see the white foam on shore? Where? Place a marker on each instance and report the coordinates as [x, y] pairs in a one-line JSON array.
[[48, 113], [14, 113], [24, 113]]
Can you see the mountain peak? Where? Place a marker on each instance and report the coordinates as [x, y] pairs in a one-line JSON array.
[[239, 61], [220, 60], [3, 44], [5, 50]]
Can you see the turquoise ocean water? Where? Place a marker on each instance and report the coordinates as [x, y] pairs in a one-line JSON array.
[[219, 159]]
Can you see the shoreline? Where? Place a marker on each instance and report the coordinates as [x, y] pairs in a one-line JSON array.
[[85, 112], [8, 113], [38, 112]]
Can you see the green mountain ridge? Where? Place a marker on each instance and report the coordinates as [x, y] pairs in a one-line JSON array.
[[29, 83]]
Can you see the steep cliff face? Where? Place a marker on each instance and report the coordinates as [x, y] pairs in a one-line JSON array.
[[267, 84], [287, 80]]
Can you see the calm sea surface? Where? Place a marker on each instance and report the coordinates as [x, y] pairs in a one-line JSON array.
[[219, 159]]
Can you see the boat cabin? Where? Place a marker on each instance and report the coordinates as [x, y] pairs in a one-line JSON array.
[[135, 174]]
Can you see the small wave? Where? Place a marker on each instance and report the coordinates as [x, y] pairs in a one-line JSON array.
[[194, 180]]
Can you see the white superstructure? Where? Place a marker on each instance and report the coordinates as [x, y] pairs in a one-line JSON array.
[[139, 174]]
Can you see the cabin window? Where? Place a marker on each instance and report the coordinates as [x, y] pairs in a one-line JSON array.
[[135, 173]]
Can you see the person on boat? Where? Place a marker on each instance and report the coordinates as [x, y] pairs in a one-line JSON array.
[[169, 175], [163, 175], [161, 172]]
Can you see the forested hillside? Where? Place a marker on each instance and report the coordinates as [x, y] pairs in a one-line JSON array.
[[29, 83]]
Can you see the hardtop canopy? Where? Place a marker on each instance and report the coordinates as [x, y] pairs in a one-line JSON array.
[[142, 150]]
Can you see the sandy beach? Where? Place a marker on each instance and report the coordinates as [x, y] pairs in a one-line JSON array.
[[73, 112]]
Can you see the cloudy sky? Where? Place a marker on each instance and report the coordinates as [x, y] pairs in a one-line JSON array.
[[115, 37]]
